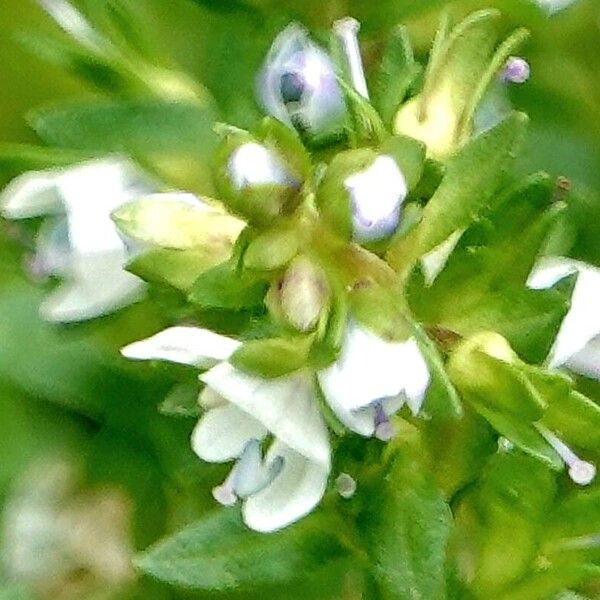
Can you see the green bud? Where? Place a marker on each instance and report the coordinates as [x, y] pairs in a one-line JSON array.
[[254, 179]]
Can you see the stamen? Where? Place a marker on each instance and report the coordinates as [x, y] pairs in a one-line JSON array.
[[345, 485], [517, 70], [581, 472], [384, 428], [347, 31]]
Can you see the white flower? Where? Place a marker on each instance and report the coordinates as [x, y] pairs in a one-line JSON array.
[[376, 197], [80, 242], [253, 164], [577, 344], [371, 380], [298, 84]]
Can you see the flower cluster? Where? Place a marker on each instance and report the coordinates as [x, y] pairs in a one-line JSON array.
[[347, 219]]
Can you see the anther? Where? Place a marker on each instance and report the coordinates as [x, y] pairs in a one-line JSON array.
[[384, 428], [581, 472], [516, 70], [345, 485]]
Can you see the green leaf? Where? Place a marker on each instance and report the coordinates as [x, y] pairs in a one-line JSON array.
[[174, 139], [219, 553], [505, 511], [224, 286], [17, 158], [273, 357], [408, 528], [558, 577], [397, 72], [181, 401], [469, 189]]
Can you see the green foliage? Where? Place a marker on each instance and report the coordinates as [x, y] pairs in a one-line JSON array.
[[218, 553]]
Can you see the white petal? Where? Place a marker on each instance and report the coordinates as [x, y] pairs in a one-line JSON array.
[[96, 285], [377, 193], [222, 433], [90, 193], [291, 495], [587, 361], [184, 345], [31, 195], [253, 164], [286, 406], [582, 322], [371, 368]]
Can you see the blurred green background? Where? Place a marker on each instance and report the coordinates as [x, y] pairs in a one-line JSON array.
[[66, 391]]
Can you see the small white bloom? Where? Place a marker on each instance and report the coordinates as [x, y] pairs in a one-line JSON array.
[[298, 84], [575, 345], [253, 164], [372, 379], [376, 197], [81, 243]]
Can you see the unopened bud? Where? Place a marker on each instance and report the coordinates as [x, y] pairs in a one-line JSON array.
[[304, 293]]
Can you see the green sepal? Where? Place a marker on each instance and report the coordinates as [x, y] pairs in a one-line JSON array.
[[409, 154], [274, 357], [364, 125], [273, 248], [381, 310], [176, 268], [225, 286]]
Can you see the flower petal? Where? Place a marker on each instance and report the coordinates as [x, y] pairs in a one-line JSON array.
[[96, 285], [297, 489], [582, 322], [184, 345], [222, 433], [32, 194], [376, 196], [90, 192], [286, 406], [371, 368], [253, 164]]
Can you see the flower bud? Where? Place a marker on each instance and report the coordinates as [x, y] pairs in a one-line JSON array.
[[303, 294], [363, 199], [254, 180], [516, 70], [298, 84]]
